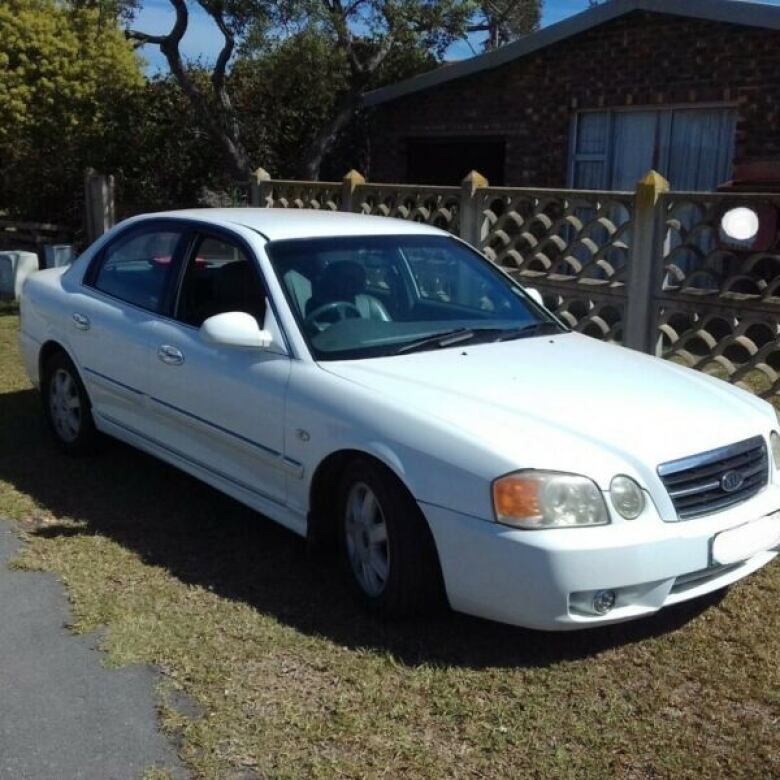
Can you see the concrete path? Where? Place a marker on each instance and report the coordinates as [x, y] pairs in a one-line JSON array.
[[62, 714]]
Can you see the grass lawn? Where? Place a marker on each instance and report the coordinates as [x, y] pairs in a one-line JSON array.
[[285, 678]]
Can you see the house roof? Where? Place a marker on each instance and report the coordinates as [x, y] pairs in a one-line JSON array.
[[743, 12]]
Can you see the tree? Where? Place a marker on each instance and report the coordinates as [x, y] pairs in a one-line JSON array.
[[505, 20], [62, 72], [369, 33], [213, 104], [373, 34], [285, 92]]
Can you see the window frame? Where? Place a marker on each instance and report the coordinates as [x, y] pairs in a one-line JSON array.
[[134, 231], [606, 157]]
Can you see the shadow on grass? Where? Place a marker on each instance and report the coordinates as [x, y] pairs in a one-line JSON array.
[[204, 538]]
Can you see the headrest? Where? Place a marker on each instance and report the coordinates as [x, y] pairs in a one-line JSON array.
[[341, 281]]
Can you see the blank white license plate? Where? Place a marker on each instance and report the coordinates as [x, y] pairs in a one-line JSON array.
[[744, 542]]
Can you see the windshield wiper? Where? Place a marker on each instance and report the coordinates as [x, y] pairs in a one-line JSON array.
[[449, 338], [534, 329], [438, 340]]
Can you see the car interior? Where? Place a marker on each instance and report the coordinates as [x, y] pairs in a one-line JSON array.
[[219, 278]]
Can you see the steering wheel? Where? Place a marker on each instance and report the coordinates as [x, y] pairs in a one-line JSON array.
[[342, 309]]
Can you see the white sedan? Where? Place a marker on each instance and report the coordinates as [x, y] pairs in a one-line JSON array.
[[381, 385]]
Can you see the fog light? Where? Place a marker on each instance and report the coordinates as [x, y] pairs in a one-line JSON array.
[[604, 601]]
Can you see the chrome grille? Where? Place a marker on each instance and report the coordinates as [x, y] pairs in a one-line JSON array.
[[696, 483]]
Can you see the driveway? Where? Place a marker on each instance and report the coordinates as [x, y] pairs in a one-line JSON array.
[[62, 714]]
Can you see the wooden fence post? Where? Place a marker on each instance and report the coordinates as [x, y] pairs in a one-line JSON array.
[[349, 184], [259, 188], [99, 206], [470, 216], [643, 264]]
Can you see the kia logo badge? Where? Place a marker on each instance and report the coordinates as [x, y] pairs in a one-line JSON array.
[[732, 480]]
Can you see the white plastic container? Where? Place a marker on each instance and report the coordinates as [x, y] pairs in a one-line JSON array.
[[15, 267], [58, 255]]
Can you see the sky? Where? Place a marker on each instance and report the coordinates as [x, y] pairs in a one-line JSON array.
[[203, 41]]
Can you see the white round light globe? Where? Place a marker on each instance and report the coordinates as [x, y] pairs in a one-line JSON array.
[[740, 224]]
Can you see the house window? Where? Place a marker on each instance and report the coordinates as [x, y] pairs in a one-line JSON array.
[[692, 147]]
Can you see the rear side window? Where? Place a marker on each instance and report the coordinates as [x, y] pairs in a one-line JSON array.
[[137, 268]]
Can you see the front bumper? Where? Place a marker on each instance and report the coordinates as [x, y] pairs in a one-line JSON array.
[[546, 579]]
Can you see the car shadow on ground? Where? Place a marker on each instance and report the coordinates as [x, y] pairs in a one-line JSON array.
[[204, 538]]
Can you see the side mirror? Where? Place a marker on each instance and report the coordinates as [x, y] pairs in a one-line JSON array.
[[235, 329], [533, 293]]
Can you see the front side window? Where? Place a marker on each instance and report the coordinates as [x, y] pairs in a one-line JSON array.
[[370, 296], [219, 278], [137, 268]]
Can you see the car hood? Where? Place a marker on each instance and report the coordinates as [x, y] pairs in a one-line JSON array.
[[568, 402]]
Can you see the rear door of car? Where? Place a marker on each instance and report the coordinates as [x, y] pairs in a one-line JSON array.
[[111, 319], [220, 408]]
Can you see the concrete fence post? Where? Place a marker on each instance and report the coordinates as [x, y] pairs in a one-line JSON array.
[[259, 187], [349, 184], [99, 206], [470, 212], [644, 263]]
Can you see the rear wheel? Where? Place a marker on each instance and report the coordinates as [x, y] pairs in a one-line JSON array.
[[67, 407], [387, 550]]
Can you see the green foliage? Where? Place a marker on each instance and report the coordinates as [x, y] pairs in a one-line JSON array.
[[72, 93], [62, 73], [505, 20], [159, 154], [283, 96]]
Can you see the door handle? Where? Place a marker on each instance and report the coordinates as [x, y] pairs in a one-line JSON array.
[[169, 355], [81, 321]]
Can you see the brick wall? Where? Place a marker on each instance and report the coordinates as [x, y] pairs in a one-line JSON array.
[[641, 59]]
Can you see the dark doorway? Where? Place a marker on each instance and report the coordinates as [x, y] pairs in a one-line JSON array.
[[445, 161]]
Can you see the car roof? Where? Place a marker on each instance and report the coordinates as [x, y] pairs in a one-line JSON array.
[[277, 224]]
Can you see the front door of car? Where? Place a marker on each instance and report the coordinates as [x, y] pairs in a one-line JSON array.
[[220, 407], [111, 320]]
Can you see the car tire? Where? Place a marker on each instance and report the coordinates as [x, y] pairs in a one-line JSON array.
[[67, 407], [386, 547]]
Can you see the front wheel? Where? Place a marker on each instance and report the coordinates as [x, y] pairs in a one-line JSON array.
[[67, 407], [387, 550]]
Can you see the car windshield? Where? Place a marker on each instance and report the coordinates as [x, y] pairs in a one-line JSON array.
[[371, 296]]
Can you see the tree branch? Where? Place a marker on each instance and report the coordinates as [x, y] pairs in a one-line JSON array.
[[142, 38], [227, 132]]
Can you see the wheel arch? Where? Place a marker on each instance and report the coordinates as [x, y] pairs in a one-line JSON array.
[[324, 488], [48, 348], [51, 347]]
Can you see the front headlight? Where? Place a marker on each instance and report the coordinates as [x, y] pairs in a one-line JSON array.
[[545, 499], [627, 497]]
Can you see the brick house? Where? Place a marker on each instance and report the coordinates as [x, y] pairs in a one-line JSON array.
[[689, 87]]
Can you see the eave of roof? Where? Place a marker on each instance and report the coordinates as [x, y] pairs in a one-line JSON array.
[[741, 12]]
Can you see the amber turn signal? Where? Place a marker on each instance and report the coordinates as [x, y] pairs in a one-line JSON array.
[[516, 497]]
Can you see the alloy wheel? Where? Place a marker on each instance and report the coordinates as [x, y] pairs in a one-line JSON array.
[[65, 405], [366, 539]]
